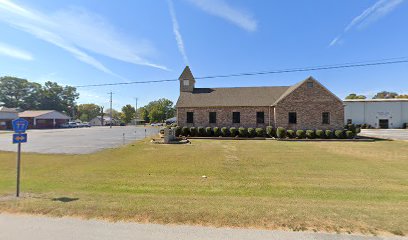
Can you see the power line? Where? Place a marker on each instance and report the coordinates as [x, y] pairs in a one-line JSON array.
[[290, 70]]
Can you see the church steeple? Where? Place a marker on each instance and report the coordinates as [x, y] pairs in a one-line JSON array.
[[187, 81]]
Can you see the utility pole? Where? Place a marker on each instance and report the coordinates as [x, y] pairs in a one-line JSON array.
[[111, 119], [136, 113]]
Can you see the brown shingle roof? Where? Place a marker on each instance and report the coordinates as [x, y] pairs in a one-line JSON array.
[[34, 113], [229, 97]]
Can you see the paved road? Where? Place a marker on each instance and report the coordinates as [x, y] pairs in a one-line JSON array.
[[76, 140], [393, 134], [17, 227]]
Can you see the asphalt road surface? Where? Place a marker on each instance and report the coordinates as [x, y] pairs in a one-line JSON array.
[[17, 227], [393, 134], [77, 140]]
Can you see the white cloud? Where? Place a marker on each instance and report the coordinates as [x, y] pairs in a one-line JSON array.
[[77, 31], [14, 52], [177, 33], [380, 9], [222, 9]]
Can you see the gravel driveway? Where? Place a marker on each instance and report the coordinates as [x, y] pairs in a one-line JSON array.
[[77, 140], [17, 227]]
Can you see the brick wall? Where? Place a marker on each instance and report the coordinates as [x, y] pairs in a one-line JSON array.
[[224, 116], [309, 104]]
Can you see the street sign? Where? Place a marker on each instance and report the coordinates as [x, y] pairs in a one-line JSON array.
[[20, 138], [20, 125]]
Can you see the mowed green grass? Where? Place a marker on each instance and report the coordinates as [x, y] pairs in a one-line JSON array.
[[318, 186]]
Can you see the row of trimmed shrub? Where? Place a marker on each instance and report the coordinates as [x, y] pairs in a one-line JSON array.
[[315, 134], [279, 132]]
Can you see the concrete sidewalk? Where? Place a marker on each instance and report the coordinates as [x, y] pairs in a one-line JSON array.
[[17, 227]]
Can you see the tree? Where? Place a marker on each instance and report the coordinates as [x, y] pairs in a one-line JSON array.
[[86, 112], [158, 111], [128, 113], [402, 96], [385, 95], [143, 114], [355, 96], [19, 93], [56, 97]]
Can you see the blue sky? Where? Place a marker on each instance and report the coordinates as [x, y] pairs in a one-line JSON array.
[[81, 42]]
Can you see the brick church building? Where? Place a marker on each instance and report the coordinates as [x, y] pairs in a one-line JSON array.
[[305, 105]]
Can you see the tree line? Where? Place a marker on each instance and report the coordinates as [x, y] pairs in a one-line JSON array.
[[379, 95], [25, 95]]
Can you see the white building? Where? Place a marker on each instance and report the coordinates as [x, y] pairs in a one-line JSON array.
[[97, 121], [379, 113]]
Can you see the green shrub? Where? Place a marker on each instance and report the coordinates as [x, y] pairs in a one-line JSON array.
[[217, 131], [329, 134], [270, 131], [350, 134], [291, 134], [259, 132], [281, 132], [339, 134], [300, 134], [177, 131], [193, 131], [233, 131], [320, 134], [185, 131], [251, 132], [201, 131], [224, 131], [242, 132], [310, 134], [208, 132]]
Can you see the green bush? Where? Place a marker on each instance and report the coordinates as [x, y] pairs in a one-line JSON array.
[[259, 132], [185, 131], [233, 131], [339, 134], [193, 131], [310, 134], [350, 134], [224, 132], [329, 134], [320, 134], [291, 134], [217, 131], [177, 131], [251, 132], [300, 134], [281, 132], [270, 131], [208, 132], [242, 132], [200, 131]]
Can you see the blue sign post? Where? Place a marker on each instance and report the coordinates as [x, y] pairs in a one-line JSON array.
[[19, 126]]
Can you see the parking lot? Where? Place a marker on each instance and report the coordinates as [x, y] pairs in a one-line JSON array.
[[393, 134], [77, 140]]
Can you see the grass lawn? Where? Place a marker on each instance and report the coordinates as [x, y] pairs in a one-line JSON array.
[[319, 186]]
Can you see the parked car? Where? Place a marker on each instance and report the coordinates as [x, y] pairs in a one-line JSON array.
[[72, 124], [84, 124], [156, 124]]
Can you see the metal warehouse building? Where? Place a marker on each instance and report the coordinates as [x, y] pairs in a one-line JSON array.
[[379, 113]]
